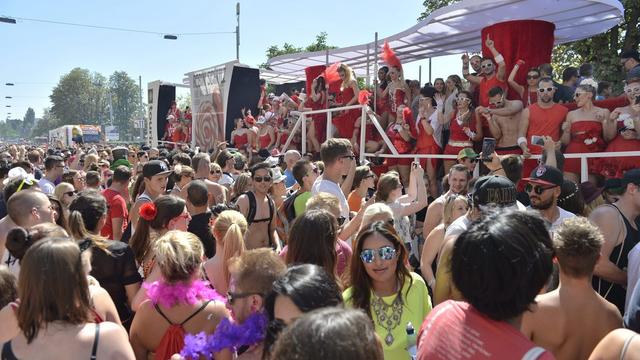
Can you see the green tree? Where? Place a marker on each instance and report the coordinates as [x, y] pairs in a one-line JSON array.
[[48, 122], [80, 98], [125, 102], [28, 122], [318, 45]]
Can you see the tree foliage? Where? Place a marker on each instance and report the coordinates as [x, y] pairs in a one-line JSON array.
[[600, 50], [28, 122], [125, 102], [318, 45], [45, 124]]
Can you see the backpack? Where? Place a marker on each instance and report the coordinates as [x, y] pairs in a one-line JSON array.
[[289, 206], [253, 206]]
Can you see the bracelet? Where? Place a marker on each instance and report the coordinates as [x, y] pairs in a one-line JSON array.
[[521, 140], [499, 58]]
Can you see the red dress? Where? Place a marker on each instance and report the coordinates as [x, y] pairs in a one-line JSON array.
[[345, 122], [403, 146], [581, 131], [458, 140], [319, 120], [241, 141], [382, 104], [615, 167], [396, 99], [425, 143], [264, 141]]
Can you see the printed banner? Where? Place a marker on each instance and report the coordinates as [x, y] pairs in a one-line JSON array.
[[207, 107]]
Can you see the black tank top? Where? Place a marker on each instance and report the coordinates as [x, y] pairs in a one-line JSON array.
[[616, 293]]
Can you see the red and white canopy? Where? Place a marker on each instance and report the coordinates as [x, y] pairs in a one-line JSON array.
[[456, 28]]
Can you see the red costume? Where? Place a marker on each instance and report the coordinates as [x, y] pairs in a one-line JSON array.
[[458, 140], [345, 122], [425, 143], [382, 104], [615, 167], [319, 120], [586, 137], [397, 99], [241, 141], [264, 141], [529, 98], [543, 122], [402, 146], [487, 84]]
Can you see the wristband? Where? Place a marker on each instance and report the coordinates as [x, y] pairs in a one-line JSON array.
[[499, 58], [521, 140]]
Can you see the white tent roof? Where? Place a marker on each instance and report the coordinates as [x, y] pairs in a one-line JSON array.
[[457, 28]]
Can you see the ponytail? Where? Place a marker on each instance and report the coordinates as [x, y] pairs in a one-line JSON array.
[[139, 241], [233, 246], [79, 232], [18, 242]]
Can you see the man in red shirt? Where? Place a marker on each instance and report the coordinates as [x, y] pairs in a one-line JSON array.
[[489, 78], [499, 265], [544, 118], [115, 195]]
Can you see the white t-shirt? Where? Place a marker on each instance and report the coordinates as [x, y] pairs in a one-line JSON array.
[[321, 185], [226, 179], [459, 226], [46, 186], [633, 273], [564, 214]]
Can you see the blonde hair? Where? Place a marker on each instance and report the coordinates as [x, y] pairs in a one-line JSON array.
[[588, 208], [348, 73], [324, 201], [232, 226], [179, 255], [183, 170], [89, 160], [447, 210], [376, 209], [214, 166], [60, 189]]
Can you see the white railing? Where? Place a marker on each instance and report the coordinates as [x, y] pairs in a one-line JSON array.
[[584, 175]]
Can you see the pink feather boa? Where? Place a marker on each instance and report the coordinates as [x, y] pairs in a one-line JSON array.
[[168, 295]]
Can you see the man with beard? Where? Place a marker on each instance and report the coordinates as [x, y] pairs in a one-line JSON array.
[[503, 119], [543, 188], [489, 78], [544, 118]]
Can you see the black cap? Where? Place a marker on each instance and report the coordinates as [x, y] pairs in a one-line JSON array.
[[612, 183], [494, 190], [630, 54], [155, 167], [631, 176], [546, 175]]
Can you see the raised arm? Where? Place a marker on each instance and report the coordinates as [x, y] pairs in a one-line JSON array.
[[418, 175], [465, 71], [502, 68], [512, 76]]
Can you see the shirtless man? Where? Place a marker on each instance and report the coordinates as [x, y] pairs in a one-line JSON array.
[[259, 209], [489, 77], [504, 121], [6, 224], [202, 167], [571, 320], [458, 178]]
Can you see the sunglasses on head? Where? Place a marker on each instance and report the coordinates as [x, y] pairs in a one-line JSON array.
[[262, 178], [385, 253], [538, 189], [231, 296], [28, 182], [541, 90]]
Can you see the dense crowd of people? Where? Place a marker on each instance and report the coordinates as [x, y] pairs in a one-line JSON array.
[[253, 250]]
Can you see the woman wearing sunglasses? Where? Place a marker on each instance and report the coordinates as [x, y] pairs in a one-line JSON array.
[[528, 94], [65, 193], [464, 126], [586, 130], [383, 286]]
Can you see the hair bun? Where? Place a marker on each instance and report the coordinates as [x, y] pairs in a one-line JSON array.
[[18, 242]]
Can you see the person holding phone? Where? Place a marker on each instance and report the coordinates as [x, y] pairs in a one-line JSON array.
[[627, 120], [399, 132]]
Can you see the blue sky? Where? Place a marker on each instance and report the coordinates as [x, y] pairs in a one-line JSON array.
[[36, 55]]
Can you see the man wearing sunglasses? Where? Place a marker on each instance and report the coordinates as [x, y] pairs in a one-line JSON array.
[[259, 209], [339, 160], [503, 117], [544, 118], [53, 169], [489, 77], [543, 188], [252, 276]]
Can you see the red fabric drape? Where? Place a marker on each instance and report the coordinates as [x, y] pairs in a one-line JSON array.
[[528, 40], [311, 73]]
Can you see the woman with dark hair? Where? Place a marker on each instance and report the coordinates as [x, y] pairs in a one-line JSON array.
[[499, 265], [382, 101], [242, 137], [453, 86], [19, 240], [317, 101], [330, 333], [55, 307], [383, 286], [178, 302], [112, 262], [313, 239], [464, 126], [441, 95], [587, 129], [60, 217], [571, 198], [528, 95], [303, 288]]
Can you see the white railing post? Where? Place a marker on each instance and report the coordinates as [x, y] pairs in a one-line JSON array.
[[584, 171], [363, 124], [329, 124], [304, 133], [293, 131]]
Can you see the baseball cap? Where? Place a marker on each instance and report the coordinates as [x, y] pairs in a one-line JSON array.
[[631, 176], [467, 153], [633, 74], [494, 190], [155, 167], [546, 175], [277, 176], [630, 54]]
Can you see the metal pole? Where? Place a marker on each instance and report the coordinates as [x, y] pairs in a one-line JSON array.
[[420, 75], [326, 106], [141, 110], [368, 75], [375, 71], [238, 31], [363, 124], [430, 71]]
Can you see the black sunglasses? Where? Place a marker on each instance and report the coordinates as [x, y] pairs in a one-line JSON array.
[[537, 188], [262, 178], [70, 193], [529, 77], [341, 220]]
